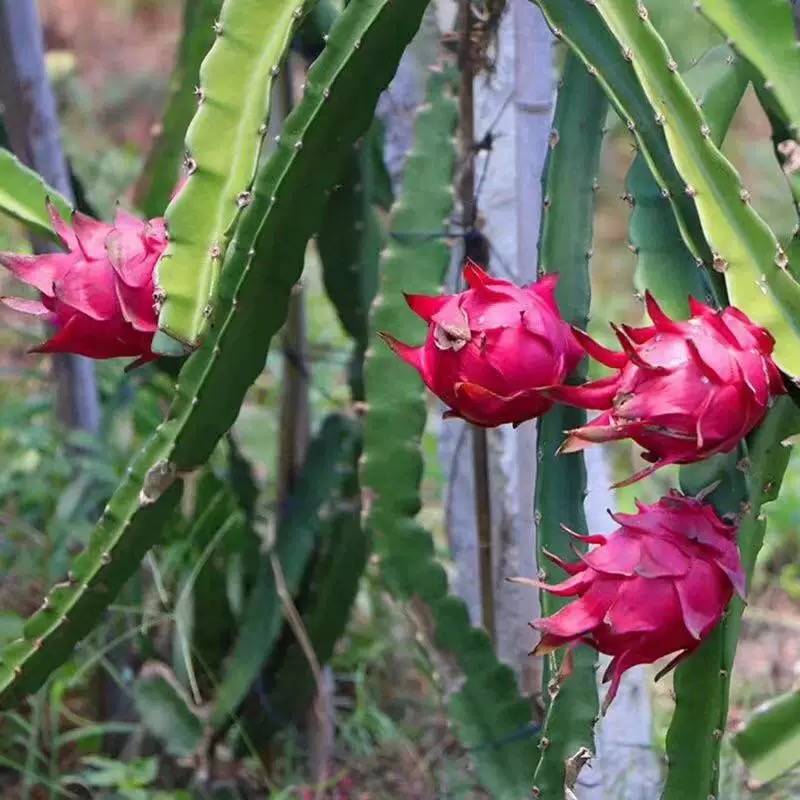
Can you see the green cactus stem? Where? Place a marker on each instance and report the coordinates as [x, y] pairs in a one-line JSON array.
[[766, 37], [565, 247], [744, 248], [578, 24], [350, 241], [489, 715], [222, 149], [747, 481], [664, 264], [160, 174], [24, 196]]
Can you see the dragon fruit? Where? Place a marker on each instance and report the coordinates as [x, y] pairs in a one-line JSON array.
[[682, 390], [491, 349], [99, 295], [655, 587]]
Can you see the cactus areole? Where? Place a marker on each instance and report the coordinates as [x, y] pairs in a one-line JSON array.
[[99, 295], [491, 349], [682, 390], [655, 587]]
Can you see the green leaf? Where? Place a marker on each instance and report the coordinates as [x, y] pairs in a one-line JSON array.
[[313, 515], [166, 711], [205, 621], [342, 548], [769, 742], [23, 195]]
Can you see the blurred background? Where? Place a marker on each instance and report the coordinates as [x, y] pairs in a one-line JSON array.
[[90, 733]]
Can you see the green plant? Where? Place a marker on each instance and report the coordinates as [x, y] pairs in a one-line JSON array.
[[565, 246], [223, 143], [160, 174], [23, 195]]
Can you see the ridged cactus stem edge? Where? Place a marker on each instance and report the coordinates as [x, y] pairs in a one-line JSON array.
[[223, 144]]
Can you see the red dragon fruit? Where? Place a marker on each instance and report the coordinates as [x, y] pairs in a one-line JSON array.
[[654, 587], [492, 348], [99, 296], [683, 390]]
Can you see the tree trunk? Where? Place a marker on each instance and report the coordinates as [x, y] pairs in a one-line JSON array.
[[31, 121]]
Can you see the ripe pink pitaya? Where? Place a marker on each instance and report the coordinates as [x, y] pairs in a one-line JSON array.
[[656, 586], [683, 390], [491, 348], [99, 295]]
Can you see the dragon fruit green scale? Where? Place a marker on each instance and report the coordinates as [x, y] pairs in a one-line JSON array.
[[99, 294], [491, 349]]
